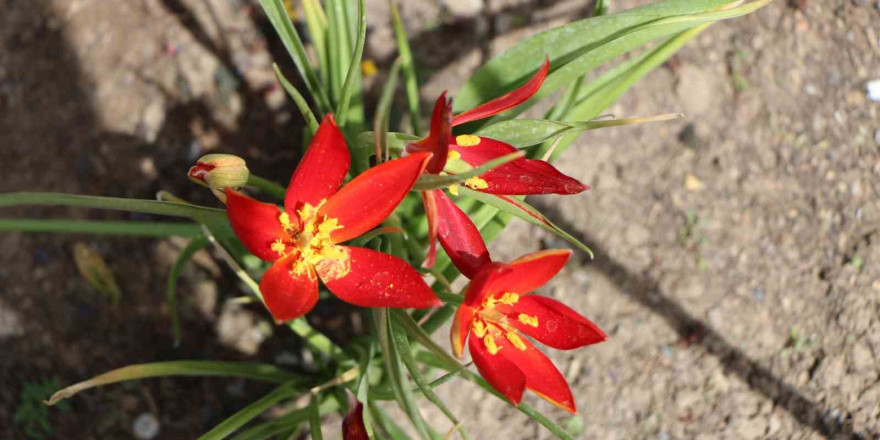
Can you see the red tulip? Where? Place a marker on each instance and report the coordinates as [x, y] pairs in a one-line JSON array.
[[304, 239], [497, 309]]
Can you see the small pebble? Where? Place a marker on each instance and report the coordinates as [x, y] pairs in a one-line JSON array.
[[146, 426], [877, 137], [873, 87]]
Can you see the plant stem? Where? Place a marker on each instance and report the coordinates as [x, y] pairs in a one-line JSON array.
[[267, 186]]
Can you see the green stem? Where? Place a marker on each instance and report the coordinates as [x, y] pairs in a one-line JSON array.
[[267, 186], [141, 229]]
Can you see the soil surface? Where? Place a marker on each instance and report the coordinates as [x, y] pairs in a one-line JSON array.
[[737, 268]]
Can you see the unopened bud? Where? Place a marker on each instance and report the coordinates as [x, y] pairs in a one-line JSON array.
[[218, 172]]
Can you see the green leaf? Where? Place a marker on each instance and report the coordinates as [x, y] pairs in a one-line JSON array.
[[316, 20], [285, 423], [277, 15], [428, 182], [353, 66], [523, 210], [522, 133], [251, 411], [580, 46], [191, 248], [411, 82], [403, 348], [315, 419], [382, 117], [396, 141], [298, 99], [244, 370], [131, 229]]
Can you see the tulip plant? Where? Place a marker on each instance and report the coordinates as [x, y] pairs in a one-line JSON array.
[[365, 208]]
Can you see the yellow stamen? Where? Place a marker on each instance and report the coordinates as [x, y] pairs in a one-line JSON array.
[[528, 320], [467, 140], [516, 340], [279, 247], [316, 247], [453, 155], [476, 183], [284, 218], [453, 189], [490, 344], [509, 298], [479, 329]]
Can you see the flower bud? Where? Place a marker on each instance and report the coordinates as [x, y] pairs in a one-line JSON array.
[[218, 172]]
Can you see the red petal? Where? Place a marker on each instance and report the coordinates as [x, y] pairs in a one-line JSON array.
[[558, 325], [461, 326], [365, 201], [429, 199], [532, 271], [254, 223], [380, 280], [288, 295], [501, 373], [459, 236], [321, 170], [520, 176], [483, 283], [510, 100], [353, 424], [439, 138], [541, 375]]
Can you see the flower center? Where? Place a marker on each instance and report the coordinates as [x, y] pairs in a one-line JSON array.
[[490, 324], [313, 243]]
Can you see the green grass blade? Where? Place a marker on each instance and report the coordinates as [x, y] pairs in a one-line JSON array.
[[315, 418], [403, 348], [382, 117], [316, 20], [277, 14], [191, 248], [298, 99], [140, 229], [411, 81], [244, 370], [353, 66], [285, 423], [239, 419]]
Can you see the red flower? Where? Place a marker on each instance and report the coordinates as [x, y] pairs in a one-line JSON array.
[[453, 154], [353, 427], [304, 239], [497, 308]]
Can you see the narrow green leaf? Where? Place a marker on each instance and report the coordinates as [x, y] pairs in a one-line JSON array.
[[191, 248], [338, 47], [523, 133], [277, 15], [285, 423], [132, 229], [601, 8], [251, 411], [315, 419], [428, 182], [298, 99], [244, 370], [396, 141], [383, 115], [403, 348], [387, 424], [523, 210], [411, 81], [354, 66], [316, 20]]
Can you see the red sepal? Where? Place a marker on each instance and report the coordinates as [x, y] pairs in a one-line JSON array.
[[483, 283], [439, 137], [461, 326], [541, 375], [502, 374], [459, 236], [532, 271], [321, 170], [429, 199], [288, 295], [353, 427], [254, 223], [379, 280], [520, 176], [510, 100], [368, 199]]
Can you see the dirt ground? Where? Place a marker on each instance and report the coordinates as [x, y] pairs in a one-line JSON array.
[[737, 268]]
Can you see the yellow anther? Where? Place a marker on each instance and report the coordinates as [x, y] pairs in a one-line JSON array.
[[476, 183], [279, 247], [467, 140], [516, 340], [284, 218], [479, 329], [453, 155], [453, 189], [490, 344], [368, 68], [509, 298], [528, 320]]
